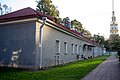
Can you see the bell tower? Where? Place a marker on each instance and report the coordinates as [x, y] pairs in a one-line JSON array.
[[113, 24]]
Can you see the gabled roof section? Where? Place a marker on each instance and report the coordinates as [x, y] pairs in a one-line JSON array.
[[22, 14]]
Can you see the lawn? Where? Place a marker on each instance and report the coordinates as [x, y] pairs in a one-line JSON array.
[[71, 71]]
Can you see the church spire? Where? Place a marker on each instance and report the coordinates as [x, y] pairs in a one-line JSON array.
[[113, 12], [112, 5], [113, 24]]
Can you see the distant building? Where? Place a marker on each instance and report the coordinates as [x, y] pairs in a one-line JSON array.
[[29, 39], [114, 25]]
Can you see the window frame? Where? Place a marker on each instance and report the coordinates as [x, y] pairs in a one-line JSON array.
[[76, 49], [57, 46], [65, 48], [72, 49], [79, 49]]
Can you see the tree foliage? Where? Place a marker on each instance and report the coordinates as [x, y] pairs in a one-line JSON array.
[[99, 39], [66, 22], [87, 34], [4, 9], [116, 45], [77, 25], [113, 45], [46, 7]]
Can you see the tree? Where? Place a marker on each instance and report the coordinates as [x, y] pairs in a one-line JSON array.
[[116, 45], [46, 7], [99, 39], [58, 20], [4, 9], [75, 24], [113, 44], [66, 22], [87, 34], [1, 9]]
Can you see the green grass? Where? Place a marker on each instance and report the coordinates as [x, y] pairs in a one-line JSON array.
[[71, 71]]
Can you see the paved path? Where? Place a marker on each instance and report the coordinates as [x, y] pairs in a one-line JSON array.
[[108, 70]]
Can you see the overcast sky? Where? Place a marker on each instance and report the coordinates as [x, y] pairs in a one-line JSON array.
[[95, 15]]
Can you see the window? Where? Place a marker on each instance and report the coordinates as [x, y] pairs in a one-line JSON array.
[[72, 48], [65, 47], [57, 46], [90, 49], [79, 49], [76, 50], [83, 48]]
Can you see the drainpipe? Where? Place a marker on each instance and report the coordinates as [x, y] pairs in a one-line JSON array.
[[93, 46], [93, 49], [40, 44]]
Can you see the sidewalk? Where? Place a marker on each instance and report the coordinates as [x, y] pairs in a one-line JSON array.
[[108, 70]]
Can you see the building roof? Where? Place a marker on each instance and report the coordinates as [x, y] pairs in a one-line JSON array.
[[22, 14], [31, 13]]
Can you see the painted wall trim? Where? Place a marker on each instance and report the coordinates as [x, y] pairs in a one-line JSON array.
[[17, 21]]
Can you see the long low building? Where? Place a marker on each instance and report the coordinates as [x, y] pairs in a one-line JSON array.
[[29, 39]]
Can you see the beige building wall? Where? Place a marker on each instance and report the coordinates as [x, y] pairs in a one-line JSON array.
[[50, 35]]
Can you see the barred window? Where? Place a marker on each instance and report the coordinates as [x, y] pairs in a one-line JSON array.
[[72, 48], [57, 46], [76, 49], [65, 47], [79, 49]]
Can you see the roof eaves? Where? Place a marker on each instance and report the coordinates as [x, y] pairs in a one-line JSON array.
[[17, 18]]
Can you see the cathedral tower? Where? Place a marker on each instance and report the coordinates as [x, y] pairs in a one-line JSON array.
[[113, 24]]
